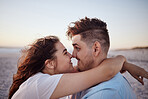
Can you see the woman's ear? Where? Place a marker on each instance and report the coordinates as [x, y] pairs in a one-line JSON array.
[[50, 64], [96, 48]]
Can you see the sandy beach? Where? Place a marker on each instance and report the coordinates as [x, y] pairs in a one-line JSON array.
[[9, 58], [140, 58]]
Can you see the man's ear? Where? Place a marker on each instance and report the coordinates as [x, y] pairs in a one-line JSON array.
[[50, 64], [96, 48]]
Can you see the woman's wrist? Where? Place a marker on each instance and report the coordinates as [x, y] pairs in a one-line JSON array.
[[126, 66]]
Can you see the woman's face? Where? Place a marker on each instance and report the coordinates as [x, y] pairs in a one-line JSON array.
[[63, 59]]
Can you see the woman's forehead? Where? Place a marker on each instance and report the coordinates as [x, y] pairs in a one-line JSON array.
[[59, 46]]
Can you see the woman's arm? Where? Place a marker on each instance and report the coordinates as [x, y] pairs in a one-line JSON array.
[[74, 82], [137, 72]]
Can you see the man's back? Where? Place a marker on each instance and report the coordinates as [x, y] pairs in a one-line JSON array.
[[116, 88]]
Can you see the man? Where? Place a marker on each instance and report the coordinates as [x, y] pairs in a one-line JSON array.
[[91, 43]]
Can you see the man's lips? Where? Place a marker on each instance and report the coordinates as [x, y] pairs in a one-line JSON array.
[[78, 63]]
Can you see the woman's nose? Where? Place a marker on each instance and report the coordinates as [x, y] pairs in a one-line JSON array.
[[69, 55]]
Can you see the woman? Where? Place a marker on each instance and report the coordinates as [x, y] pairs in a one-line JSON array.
[[44, 71]]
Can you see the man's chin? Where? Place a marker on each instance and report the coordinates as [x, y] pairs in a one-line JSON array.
[[80, 69]]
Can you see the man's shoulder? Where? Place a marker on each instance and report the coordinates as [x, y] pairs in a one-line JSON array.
[[117, 86], [98, 90], [112, 83]]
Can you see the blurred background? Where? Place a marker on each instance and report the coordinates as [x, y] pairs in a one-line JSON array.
[[23, 21]]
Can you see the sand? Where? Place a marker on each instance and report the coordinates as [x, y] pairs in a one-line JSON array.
[[8, 66], [140, 58]]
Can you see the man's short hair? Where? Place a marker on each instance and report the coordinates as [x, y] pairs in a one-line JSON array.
[[91, 30]]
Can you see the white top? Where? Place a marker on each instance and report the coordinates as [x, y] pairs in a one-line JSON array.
[[39, 86]]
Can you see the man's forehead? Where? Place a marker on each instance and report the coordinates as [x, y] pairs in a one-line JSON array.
[[76, 38]]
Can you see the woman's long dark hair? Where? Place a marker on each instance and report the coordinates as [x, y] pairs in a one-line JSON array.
[[32, 60]]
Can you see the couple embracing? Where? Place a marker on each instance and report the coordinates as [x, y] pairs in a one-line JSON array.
[[45, 69]]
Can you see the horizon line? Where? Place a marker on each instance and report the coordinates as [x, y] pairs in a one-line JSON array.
[[136, 47]]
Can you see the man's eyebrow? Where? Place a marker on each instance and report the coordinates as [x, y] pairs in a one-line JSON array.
[[64, 50], [75, 44]]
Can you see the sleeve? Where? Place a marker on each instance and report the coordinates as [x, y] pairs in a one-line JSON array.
[[76, 96], [104, 94], [46, 85]]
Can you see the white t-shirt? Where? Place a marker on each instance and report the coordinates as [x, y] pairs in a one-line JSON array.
[[39, 86]]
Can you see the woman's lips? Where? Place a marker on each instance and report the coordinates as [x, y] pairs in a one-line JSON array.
[[70, 62]]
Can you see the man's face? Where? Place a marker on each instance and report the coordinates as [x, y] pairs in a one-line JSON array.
[[82, 53]]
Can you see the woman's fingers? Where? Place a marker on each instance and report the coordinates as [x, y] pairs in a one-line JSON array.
[[140, 79]]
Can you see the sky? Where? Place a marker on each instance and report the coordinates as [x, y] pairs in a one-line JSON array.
[[24, 21]]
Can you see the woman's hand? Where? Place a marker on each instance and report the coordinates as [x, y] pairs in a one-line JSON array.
[[137, 72]]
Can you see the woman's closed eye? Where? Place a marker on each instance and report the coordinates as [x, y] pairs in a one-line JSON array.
[[65, 53]]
